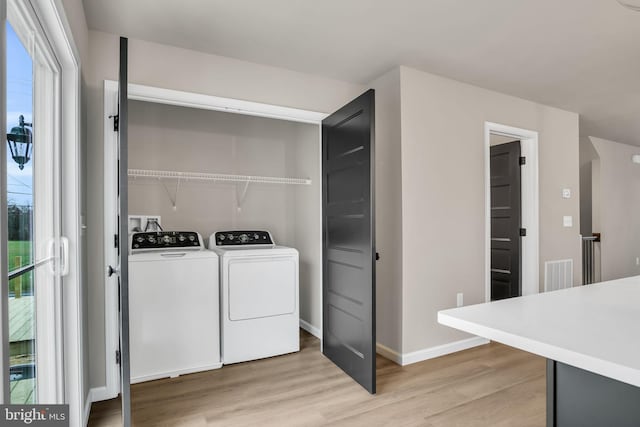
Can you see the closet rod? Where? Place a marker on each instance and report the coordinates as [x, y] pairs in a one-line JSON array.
[[145, 173]]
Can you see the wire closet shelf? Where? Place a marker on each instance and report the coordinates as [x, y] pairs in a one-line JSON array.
[[200, 176], [241, 190]]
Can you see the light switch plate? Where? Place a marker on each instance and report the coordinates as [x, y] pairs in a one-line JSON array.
[[566, 193], [567, 221]]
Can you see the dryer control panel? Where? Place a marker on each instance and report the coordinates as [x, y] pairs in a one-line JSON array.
[[240, 238], [163, 240]]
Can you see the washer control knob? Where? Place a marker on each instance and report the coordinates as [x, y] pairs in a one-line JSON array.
[[151, 239], [256, 237], [166, 239], [139, 239], [230, 236], [221, 237], [192, 237], [181, 238], [244, 238]]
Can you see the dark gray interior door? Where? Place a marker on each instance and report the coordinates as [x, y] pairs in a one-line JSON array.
[[123, 231], [348, 290], [505, 221]]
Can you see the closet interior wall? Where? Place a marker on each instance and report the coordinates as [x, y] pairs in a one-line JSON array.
[[174, 138]]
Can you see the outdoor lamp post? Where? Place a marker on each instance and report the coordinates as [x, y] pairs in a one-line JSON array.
[[20, 140]]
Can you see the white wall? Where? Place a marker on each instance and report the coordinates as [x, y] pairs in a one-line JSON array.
[[616, 208], [443, 194], [174, 68]]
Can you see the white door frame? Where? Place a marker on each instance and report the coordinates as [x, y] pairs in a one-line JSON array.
[[53, 20], [530, 205], [171, 97], [46, 220]]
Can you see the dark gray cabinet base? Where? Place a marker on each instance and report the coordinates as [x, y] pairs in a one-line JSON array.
[[578, 398]]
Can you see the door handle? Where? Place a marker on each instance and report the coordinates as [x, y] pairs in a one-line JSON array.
[[63, 264], [51, 254], [111, 271], [377, 256], [64, 254]]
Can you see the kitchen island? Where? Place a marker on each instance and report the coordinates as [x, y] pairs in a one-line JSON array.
[[590, 336]]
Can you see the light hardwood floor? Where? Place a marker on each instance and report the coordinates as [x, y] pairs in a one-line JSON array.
[[492, 385]]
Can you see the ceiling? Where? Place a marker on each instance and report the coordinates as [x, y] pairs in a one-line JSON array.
[[579, 55]]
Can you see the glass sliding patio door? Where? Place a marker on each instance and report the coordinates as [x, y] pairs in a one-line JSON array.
[[35, 251]]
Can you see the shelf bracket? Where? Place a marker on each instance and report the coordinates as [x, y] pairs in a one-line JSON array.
[[174, 199], [241, 194]]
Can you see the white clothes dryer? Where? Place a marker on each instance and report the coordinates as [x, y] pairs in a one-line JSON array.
[[258, 295], [174, 320]]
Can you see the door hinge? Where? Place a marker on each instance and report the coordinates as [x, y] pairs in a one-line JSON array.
[[116, 241], [116, 122], [117, 357], [522, 161], [523, 232]]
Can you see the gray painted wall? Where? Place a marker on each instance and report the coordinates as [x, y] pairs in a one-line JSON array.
[[499, 139], [388, 195], [588, 155], [430, 197], [443, 194], [73, 12]]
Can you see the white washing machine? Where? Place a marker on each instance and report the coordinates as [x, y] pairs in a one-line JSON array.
[[174, 315], [258, 294]]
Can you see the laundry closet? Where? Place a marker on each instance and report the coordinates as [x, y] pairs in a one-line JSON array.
[[282, 195], [274, 202]]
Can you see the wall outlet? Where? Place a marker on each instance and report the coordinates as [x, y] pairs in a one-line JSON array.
[[460, 299], [567, 221], [566, 193]]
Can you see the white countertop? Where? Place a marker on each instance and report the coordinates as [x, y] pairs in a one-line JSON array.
[[594, 327]]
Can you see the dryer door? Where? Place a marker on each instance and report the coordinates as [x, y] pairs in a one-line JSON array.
[[262, 287]]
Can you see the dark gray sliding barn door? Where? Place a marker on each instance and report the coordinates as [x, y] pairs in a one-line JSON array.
[[348, 291]]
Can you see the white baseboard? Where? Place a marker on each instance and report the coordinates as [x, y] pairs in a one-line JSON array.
[[87, 409], [389, 353], [429, 353], [441, 350], [316, 332], [98, 394]]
